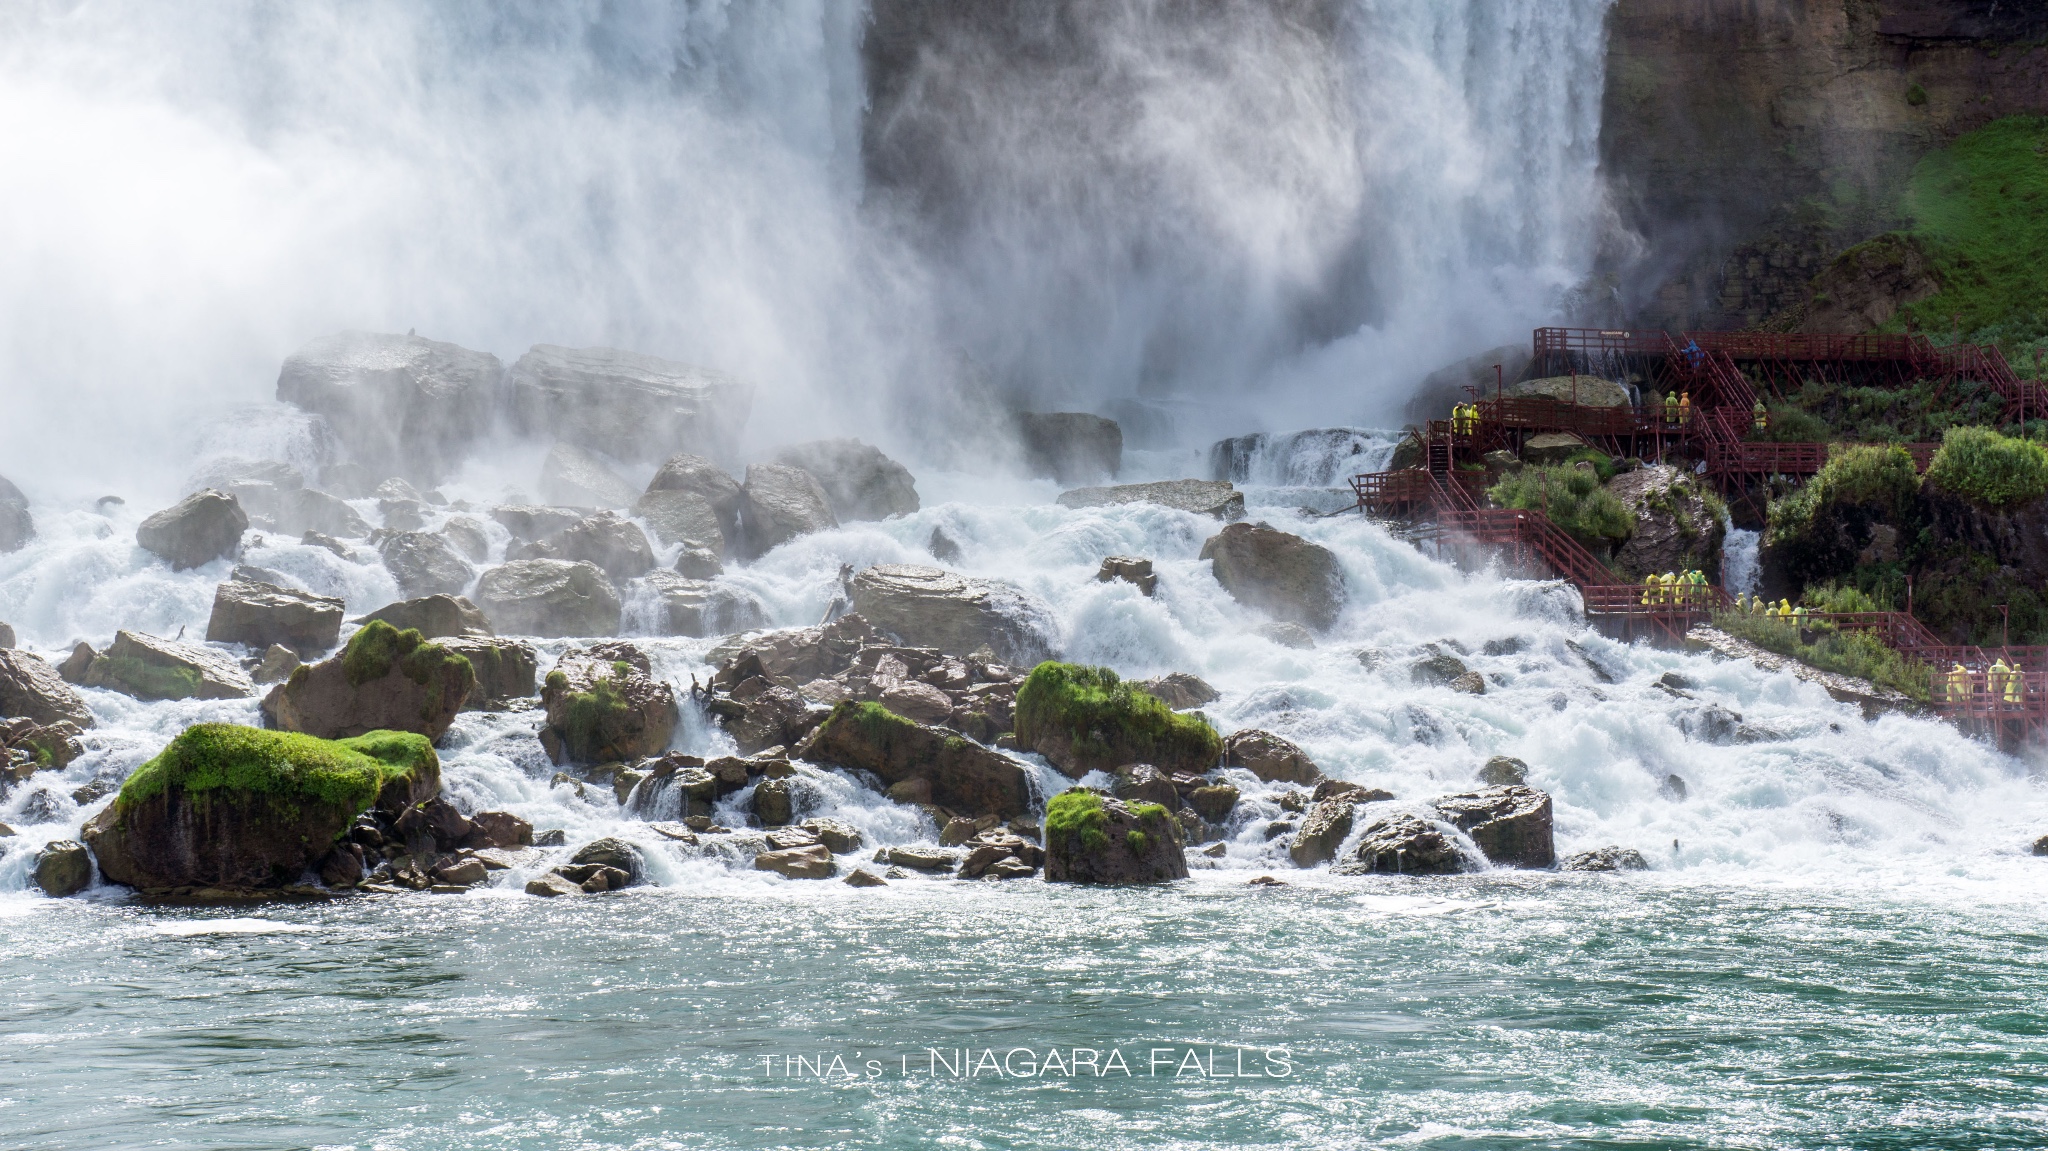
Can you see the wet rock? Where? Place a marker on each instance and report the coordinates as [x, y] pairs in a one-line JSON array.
[[277, 665], [202, 527], [1605, 859], [1131, 570], [1513, 645], [1676, 529], [498, 829], [962, 775], [759, 716], [1070, 447], [504, 668], [384, 680], [1511, 825], [549, 598], [551, 885], [603, 703], [943, 547], [916, 701], [402, 405], [1713, 724], [1286, 635], [637, 407], [684, 517], [1181, 691], [1404, 844], [576, 477], [862, 877], [465, 873], [258, 615], [434, 617], [468, 537], [860, 483], [17, 527], [778, 503], [794, 656], [1271, 758], [1283, 575], [773, 803], [1322, 832], [1084, 719], [536, 522], [146, 667], [424, 564], [1091, 838], [698, 564], [37, 747], [311, 510], [6, 635], [63, 867], [615, 545], [1673, 788], [1215, 802], [613, 853], [335, 546], [699, 607], [239, 807], [1504, 771], [1439, 668], [918, 858], [1471, 683], [30, 687], [838, 836], [935, 608], [1143, 783], [699, 476], [343, 866], [1358, 792], [798, 863], [1201, 497]]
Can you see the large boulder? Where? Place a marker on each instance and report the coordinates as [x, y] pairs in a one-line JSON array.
[[402, 405], [779, 503], [199, 529], [1322, 832], [932, 607], [1181, 691], [30, 687], [1615, 858], [17, 527], [1201, 497], [636, 407], [63, 867], [1071, 447], [505, 669], [577, 477], [1283, 575], [549, 598], [257, 485], [683, 517], [1676, 528], [1269, 757], [303, 510], [147, 667], [603, 703], [1084, 719], [963, 776], [1405, 844], [434, 617], [695, 607], [384, 680], [1586, 391], [691, 473], [238, 807], [424, 564], [257, 615], [1511, 825], [1091, 838], [534, 521], [616, 545], [860, 482]]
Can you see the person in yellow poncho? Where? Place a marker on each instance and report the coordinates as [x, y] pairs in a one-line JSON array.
[[2015, 684], [1668, 584], [1699, 586], [1958, 688], [1994, 680], [1760, 416], [1684, 407], [1784, 609], [1649, 589]]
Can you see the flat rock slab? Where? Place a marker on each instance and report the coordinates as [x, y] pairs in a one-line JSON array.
[[1874, 700], [1202, 497]]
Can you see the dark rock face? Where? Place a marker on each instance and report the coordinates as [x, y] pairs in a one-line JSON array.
[[860, 483], [575, 477], [499, 829], [424, 564], [150, 668], [201, 528], [1404, 845], [1283, 575], [260, 614], [31, 688], [1675, 530], [1606, 859], [773, 803], [434, 617], [1090, 838], [932, 607], [1510, 824], [963, 775], [698, 607], [1201, 497], [612, 543], [1143, 783], [504, 668], [17, 527], [1071, 447], [63, 867], [402, 405], [549, 598], [636, 407], [778, 504], [1322, 832], [1269, 757], [385, 680], [603, 703]]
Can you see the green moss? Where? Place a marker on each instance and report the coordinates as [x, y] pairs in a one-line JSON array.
[[1076, 815], [1980, 209], [557, 681], [1986, 468], [152, 681], [287, 766], [1109, 720], [1149, 812], [1573, 499], [1136, 841], [873, 720], [1916, 96], [377, 647]]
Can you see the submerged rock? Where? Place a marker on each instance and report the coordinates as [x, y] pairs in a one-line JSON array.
[[1283, 575], [1271, 758], [1202, 497], [1071, 447], [202, 527], [402, 405], [860, 483], [258, 615], [1504, 771], [935, 608], [1084, 719], [30, 687], [1404, 844], [603, 703], [634, 406], [238, 807], [576, 477], [779, 503], [549, 598], [434, 617], [963, 776], [385, 680], [425, 564], [703, 608], [1090, 838], [146, 667]]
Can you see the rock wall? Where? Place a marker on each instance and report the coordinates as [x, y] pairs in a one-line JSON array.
[[1746, 142]]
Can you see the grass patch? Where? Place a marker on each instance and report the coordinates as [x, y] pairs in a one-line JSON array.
[[1573, 499], [1980, 208], [1986, 468], [1076, 816], [287, 766], [1110, 722], [1858, 654]]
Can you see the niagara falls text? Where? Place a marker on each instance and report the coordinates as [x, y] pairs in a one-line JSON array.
[[1031, 1063]]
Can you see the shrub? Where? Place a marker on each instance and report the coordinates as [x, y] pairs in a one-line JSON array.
[[1877, 477], [1832, 598], [1860, 654], [1573, 499], [1984, 467]]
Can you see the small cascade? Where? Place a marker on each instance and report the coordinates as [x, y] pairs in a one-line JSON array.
[[1317, 458]]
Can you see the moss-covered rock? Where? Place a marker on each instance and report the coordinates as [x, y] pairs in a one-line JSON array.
[[963, 776], [240, 807], [1091, 838], [604, 704], [1084, 719], [384, 680], [147, 667]]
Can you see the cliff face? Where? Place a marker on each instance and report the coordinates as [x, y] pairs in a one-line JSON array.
[[1746, 142]]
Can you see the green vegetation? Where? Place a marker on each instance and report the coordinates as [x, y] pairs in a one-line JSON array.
[[1076, 815], [1980, 210], [873, 720], [1986, 468], [1573, 499], [1109, 722], [287, 766], [1858, 654], [1918, 413], [149, 680], [377, 647], [1136, 841], [1829, 597], [596, 721], [1879, 478]]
